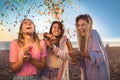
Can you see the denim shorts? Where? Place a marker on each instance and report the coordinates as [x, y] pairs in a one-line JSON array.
[[50, 72], [33, 77]]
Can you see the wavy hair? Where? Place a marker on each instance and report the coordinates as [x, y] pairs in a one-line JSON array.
[[61, 27], [21, 41], [89, 20]]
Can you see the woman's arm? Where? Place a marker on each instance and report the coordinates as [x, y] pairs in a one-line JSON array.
[[15, 64], [97, 55], [39, 64], [84, 54], [96, 52], [62, 50]]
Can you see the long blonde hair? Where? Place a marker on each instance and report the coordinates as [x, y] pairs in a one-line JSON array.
[[89, 20], [21, 41]]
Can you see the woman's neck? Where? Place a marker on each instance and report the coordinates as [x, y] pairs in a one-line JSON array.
[[28, 38]]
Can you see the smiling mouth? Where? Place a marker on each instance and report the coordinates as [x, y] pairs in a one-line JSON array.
[[82, 30], [56, 32], [28, 28]]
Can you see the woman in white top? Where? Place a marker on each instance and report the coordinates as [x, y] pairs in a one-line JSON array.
[[58, 57]]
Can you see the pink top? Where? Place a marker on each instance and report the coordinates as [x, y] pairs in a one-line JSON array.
[[27, 68]]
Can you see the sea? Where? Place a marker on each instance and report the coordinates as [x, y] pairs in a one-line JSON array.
[[6, 45]]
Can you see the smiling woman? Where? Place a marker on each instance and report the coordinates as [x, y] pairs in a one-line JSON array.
[[92, 55], [27, 53], [28, 27]]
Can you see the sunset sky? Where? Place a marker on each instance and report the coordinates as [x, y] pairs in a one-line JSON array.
[[105, 14]]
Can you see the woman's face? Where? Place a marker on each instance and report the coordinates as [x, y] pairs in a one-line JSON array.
[[27, 27], [82, 27], [55, 30]]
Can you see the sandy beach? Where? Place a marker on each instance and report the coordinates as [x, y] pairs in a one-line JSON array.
[[113, 56]]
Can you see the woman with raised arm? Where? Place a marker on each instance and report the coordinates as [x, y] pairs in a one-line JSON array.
[[58, 54], [27, 53]]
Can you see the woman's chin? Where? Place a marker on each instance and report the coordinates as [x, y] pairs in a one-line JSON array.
[[82, 34], [56, 35]]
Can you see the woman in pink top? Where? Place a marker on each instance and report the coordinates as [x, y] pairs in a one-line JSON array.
[[27, 53], [92, 55]]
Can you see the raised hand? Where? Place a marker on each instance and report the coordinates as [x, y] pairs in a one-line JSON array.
[[27, 55]]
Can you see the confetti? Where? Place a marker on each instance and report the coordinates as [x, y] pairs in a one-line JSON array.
[[34, 9]]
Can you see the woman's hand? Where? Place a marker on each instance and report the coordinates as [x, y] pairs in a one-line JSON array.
[[49, 36], [49, 43], [74, 57], [26, 58], [84, 54], [26, 54]]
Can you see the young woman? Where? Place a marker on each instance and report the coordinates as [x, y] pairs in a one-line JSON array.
[[93, 58], [58, 57], [27, 53]]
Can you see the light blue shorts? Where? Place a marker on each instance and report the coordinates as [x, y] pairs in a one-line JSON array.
[[34, 77]]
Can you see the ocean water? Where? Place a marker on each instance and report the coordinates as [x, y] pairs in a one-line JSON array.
[[6, 45], [105, 43]]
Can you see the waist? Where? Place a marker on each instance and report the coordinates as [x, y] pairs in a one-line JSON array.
[[53, 61], [27, 70], [50, 72], [50, 68]]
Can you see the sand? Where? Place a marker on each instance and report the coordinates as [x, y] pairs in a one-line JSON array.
[[113, 56], [5, 72]]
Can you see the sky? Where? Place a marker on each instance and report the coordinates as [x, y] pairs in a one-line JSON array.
[[105, 14]]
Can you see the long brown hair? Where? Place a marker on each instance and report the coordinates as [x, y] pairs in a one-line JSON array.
[[60, 26], [89, 20], [21, 41]]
